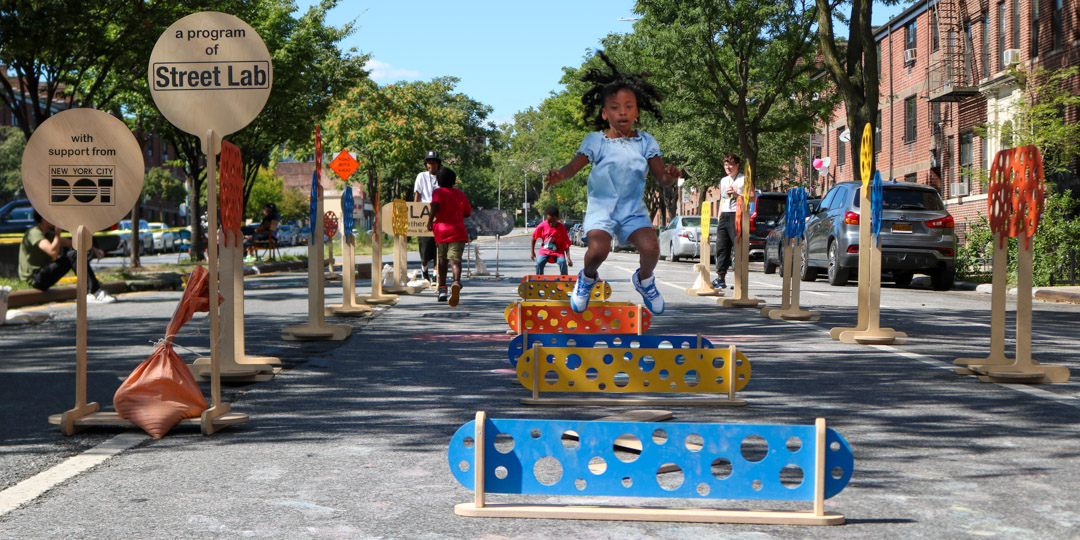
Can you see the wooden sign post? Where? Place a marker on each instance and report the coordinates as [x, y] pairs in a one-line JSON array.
[[316, 328], [742, 297], [794, 225], [211, 82], [82, 169], [330, 228], [702, 285], [869, 330], [1015, 205], [345, 165], [377, 296], [234, 364], [406, 219]]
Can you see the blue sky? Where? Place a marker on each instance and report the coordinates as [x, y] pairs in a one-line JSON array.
[[508, 53]]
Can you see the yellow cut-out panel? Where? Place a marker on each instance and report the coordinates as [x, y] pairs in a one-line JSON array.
[[559, 290], [551, 317], [866, 156], [400, 220], [586, 369]]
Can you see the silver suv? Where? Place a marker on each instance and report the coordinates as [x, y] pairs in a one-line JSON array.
[[916, 235]]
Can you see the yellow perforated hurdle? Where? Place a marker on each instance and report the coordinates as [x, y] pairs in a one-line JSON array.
[[653, 371], [558, 290]]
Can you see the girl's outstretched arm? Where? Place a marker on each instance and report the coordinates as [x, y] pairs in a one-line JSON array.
[[567, 172], [666, 175]]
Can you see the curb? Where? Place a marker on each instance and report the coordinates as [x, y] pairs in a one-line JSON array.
[[1050, 295], [34, 297]]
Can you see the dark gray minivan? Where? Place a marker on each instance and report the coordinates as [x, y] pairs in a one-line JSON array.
[[916, 235]]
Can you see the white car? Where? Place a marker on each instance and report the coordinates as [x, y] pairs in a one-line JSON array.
[[146, 238], [164, 240]]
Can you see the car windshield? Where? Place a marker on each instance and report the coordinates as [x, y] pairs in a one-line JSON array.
[[770, 206], [903, 198], [696, 222]]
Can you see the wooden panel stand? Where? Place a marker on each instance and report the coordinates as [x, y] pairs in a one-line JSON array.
[[703, 285], [789, 309], [377, 295], [742, 297], [349, 307], [401, 254], [316, 328]]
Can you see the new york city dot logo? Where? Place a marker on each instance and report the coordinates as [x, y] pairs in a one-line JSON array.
[[82, 185]]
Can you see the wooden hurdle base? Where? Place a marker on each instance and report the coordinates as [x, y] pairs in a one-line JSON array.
[[646, 513], [252, 369], [349, 311], [872, 336], [403, 289], [113, 419], [326, 332], [379, 299], [1035, 373]]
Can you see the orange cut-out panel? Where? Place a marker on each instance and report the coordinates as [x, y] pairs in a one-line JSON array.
[[558, 318], [1017, 192], [231, 180], [330, 224]]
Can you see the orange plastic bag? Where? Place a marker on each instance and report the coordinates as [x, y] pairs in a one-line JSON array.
[[162, 391]]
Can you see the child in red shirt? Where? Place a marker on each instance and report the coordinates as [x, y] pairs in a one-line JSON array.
[[554, 242], [449, 208]]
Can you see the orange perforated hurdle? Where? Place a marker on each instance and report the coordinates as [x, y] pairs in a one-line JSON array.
[[557, 317]]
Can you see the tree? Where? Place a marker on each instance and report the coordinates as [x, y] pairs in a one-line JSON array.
[[292, 205], [12, 144], [733, 71]]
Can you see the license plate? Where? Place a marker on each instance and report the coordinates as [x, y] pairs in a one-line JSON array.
[[901, 227]]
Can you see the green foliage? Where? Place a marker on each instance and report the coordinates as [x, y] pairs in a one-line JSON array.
[[1059, 232], [292, 204], [12, 143], [159, 183]]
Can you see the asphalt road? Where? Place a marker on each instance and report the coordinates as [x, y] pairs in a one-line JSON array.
[[350, 439]]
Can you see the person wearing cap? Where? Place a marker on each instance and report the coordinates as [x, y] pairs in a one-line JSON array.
[[426, 184]]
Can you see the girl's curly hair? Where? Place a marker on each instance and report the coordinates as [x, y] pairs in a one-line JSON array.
[[606, 84]]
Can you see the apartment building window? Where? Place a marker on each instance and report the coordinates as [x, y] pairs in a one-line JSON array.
[[986, 44], [909, 35], [934, 36], [841, 157], [935, 117], [1055, 23], [1001, 36], [913, 177], [1016, 24], [877, 133], [1035, 29], [910, 129], [967, 53], [967, 143], [879, 61]]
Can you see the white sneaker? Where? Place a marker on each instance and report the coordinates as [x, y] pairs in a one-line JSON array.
[[649, 293], [579, 299], [101, 297]]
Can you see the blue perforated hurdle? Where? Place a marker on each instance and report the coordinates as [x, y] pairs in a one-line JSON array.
[[611, 341], [676, 460]]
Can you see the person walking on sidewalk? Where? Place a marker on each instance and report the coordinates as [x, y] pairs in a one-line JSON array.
[[449, 208], [45, 257], [425, 185], [620, 156], [731, 186], [554, 242]]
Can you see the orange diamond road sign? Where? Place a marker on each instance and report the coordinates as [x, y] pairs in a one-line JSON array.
[[344, 165]]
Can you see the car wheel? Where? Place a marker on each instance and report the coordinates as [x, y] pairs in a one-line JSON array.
[[942, 279], [671, 254], [838, 275], [807, 272], [770, 267], [902, 279]]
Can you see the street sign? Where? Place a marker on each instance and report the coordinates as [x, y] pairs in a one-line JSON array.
[[344, 165], [525, 206], [817, 140]]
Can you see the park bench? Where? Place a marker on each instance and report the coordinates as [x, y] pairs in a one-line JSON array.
[[676, 460]]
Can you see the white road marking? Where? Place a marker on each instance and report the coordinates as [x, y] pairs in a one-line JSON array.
[[33, 487]]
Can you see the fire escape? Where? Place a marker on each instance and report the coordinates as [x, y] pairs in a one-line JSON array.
[[952, 76]]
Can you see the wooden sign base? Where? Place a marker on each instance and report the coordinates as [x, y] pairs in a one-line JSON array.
[[872, 333], [742, 275], [789, 309], [316, 328], [702, 285], [401, 254], [348, 307], [377, 296]]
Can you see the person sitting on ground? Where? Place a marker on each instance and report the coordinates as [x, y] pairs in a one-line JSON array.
[[266, 229], [554, 243], [45, 257], [449, 208]]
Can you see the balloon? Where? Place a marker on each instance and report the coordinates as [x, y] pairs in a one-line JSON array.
[[818, 163]]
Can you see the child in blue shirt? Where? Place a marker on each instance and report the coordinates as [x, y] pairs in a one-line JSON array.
[[620, 156]]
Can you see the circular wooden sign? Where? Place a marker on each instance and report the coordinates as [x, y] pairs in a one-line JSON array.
[[210, 70], [82, 167]]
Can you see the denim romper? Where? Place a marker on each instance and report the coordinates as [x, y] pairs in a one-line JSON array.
[[617, 182]]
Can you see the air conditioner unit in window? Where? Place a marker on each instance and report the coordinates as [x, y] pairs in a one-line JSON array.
[[909, 56], [959, 189], [1012, 56]]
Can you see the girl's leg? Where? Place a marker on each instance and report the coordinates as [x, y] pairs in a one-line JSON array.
[[599, 247], [648, 247]]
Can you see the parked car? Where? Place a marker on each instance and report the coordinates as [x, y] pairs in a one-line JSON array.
[[916, 235], [146, 238], [774, 242], [533, 222], [577, 235], [286, 235], [16, 216], [303, 235], [164, 240], [764, 212], [682, 237]]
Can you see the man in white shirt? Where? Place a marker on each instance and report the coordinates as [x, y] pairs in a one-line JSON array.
[[424, 186], [730, 188]]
